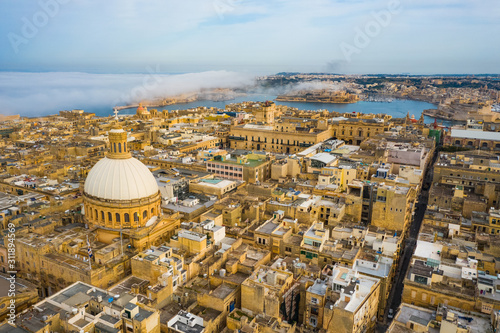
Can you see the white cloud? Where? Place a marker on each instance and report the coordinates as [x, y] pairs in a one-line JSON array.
[[31, 94]]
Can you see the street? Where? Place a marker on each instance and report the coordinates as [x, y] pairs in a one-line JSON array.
[[409, 246]]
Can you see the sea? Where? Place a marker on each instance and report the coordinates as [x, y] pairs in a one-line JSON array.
[[397, 108]]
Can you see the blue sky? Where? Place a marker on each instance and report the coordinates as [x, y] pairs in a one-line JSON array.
[[128, 36]]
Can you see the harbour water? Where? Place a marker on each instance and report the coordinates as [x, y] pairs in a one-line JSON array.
[[397, 108]]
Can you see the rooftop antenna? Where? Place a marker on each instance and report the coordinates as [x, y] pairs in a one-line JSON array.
[[121, 234]]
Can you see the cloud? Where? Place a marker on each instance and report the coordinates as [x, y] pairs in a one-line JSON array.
[[33, 94]]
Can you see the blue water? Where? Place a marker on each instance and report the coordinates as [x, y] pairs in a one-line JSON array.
[[398, 108]]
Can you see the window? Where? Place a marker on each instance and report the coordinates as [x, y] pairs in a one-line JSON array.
[[420, 279], [117, 217], [144, 214], [126, 217], [136, 217], [119, 147], [110, 217]]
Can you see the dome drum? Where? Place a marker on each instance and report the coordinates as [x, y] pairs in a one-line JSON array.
[[123, 214]]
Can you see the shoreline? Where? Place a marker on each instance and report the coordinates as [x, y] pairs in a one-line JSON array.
[[284, 99]]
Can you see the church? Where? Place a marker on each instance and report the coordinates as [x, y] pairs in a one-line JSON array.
[[121, 198]]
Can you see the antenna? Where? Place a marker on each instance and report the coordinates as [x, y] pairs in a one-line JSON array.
[[121, 237]]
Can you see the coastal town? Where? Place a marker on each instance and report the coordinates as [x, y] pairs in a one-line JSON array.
[[453, 97], [255, 217]]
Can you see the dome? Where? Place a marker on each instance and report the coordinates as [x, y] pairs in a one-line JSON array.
[[120, 179]]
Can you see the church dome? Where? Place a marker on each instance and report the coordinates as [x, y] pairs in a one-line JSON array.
[[142, 110], [120, 191], [120, 179]]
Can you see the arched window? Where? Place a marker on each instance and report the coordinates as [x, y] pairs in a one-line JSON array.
[[90, 213], [485, 144], [124, 147], [119, 147], [144, 214], [102, 216], [152, 211], [110, 217], [457, 142], [127, 218], [470, 143], [136, 217], [117, 217], [114, 144], [96, 216]]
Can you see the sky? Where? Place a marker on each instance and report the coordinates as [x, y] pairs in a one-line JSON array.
[[244, 36]]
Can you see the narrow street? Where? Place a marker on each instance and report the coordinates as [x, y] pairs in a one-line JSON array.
[[409, 246]]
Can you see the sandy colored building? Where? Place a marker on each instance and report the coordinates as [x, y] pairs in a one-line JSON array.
[[287, 138], [83, 307], [266, 290], [217, 187], [252, 168], [343, 301]]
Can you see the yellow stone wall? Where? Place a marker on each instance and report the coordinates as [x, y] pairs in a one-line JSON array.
[[418, 295]]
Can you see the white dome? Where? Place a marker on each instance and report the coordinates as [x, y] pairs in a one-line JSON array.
[[120, 179]]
